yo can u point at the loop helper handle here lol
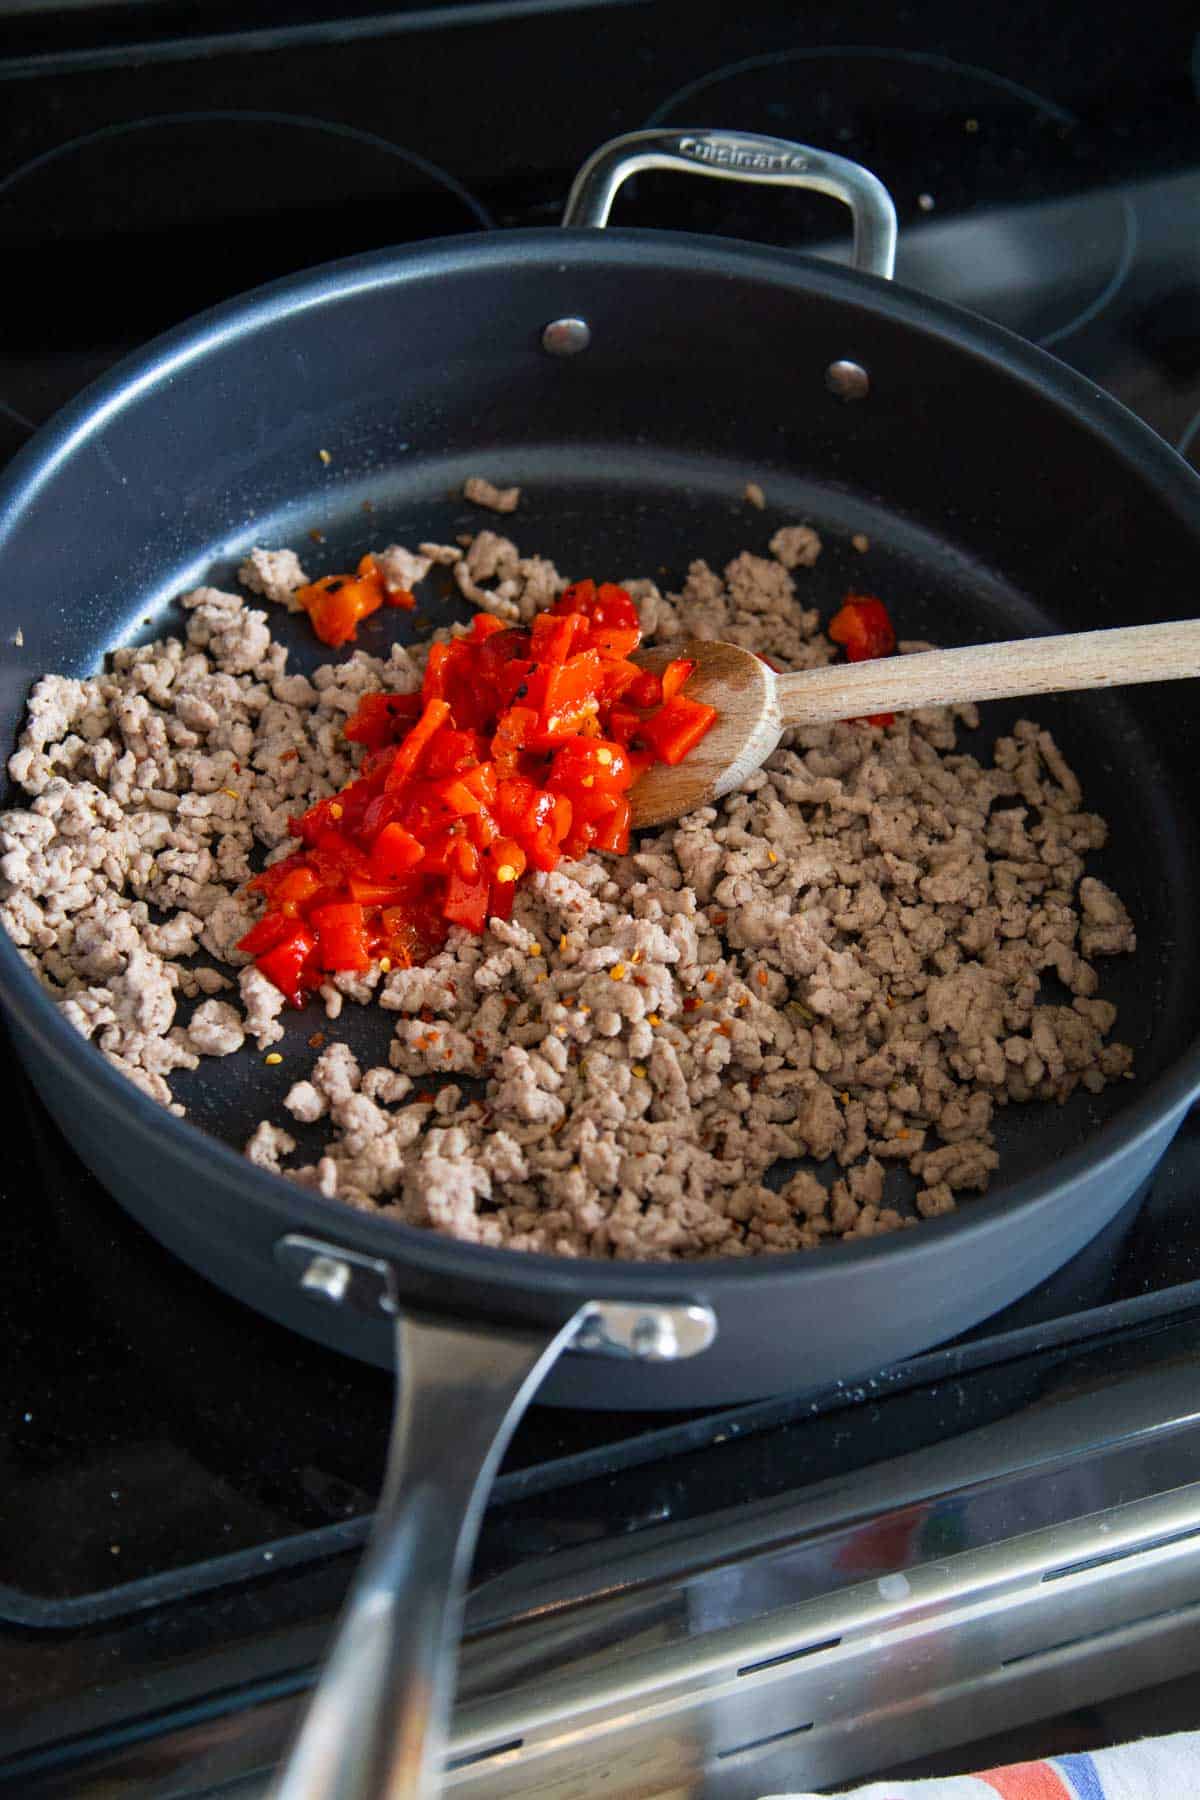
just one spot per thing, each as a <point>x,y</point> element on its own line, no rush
<point>741,156</point>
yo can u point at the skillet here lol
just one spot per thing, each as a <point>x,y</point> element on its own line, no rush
<point>633,383</point>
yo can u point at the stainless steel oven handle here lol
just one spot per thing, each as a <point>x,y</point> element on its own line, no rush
<point>742,156</point>
<point>375,1728</point>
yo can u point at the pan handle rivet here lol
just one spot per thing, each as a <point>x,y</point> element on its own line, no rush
<point>566,337</point>
<point>848,380</point>
<point>654,1337</point>
<point>327,1278</point>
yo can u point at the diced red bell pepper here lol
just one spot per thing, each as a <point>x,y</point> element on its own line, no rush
<point>507,861</point>
<point>342,942</point>
<point>395,853</point>
<point>379,718</point>
<point>336,603</point>
<point>485,625</point>
<point>407,757</point>
<point>862,625</point>
<point>646,691</point>
<point>270,930</point>
<point>483,782</point>
<point>678,727</point>
<point>612,833</point>
<point>517,750</point>
<point>553,635</point>
<point>466,901</point>
<point>514,729</point>
<point>592,762</point>
<point>677,672</point>
<point>288,963</point>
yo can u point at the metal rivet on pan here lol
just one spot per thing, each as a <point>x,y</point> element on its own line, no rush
<point>653,1337</point>
<point>848,380</point>
<point>326,1277</point>
<point>566,337</point>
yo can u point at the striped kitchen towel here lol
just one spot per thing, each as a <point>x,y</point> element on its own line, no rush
<point>1166,1768</point>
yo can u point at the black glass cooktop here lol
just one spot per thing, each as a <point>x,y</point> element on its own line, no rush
<point>158,1441</point>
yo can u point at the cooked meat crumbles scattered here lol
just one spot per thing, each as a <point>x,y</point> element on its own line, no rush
<point>842,961</point>
<point>496,499</point>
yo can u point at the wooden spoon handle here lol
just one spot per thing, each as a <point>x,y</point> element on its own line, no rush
<point>1049,665</point>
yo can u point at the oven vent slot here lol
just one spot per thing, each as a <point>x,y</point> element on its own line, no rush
<point>786,1656</point>
<point>774,1737</point>
<point>1119,1555</point>
<point>1092,1638</point>
<point>479,1756</point>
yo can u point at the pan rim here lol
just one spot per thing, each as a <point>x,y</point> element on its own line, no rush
<point>293,1207</point>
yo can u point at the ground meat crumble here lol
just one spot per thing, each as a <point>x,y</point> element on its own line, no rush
<point>843,961</point>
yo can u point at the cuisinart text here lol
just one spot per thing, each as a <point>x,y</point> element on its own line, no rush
<point>732,155</point>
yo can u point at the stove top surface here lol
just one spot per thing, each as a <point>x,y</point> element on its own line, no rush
<point>161,1447</point>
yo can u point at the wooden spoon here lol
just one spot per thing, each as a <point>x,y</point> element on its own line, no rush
<point>755,706</point>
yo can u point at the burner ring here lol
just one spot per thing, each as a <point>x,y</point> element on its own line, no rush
<point>946,137</point>
<point>177,211</point>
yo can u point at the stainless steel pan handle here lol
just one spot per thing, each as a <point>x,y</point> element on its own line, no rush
<point>742,156</point>
<point>376,1726</point>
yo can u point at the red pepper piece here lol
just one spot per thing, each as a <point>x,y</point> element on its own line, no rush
<point>862,625</point>
<point>483,782</point>
<point>624,725</point>
<point>452,752</point>
<point>379,718</point>
<point>336,603</point>
<point>466,901</point>
<point>590,762</point>
<point>676,673</point>
<point>341,936</point>
<point>612,833</point>
<point>270,930</point>
<point>646,691</point>
<point>485,625</point>
<point>394,853</point>
<point>678,728</point>
<point>515,727</point>
<point>409,754</point>
<point>864,628</point>
<point>553,635</point>
<point>287,964</point>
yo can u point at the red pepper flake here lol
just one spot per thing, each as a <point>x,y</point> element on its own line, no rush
<point>692,1003</point>
<point>288,755</point>
<point>424,1098</point>
<point>720,918</point>
<point>762,978</point>
<point>725,1029</point>
<point>316,1040</point>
